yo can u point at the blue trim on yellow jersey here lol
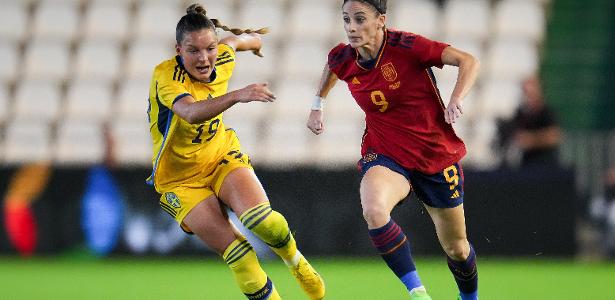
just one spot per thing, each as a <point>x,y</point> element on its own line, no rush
<point>224,58</point>
<point>179,69</point>
<point>179,61</point>
<point>163,113</point>
<point>167,124</point>
<point>181,96</point>
<point>224,61</point>
<point>149,109</point>
<point>213,75</point>
<point>164,141</point>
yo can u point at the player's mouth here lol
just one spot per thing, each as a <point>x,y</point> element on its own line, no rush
<point>202,70</point>
<point>354,38</point>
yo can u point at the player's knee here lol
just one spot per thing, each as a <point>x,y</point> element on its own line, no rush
<point>276,225</point>
<point>267,224</point>
<point>457,250</point>
<point>375,215</point>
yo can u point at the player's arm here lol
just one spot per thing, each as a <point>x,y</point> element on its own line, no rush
<point>327,82</point>
<point>245,42</point>
<point>468,71</point>
<point>195,112</point>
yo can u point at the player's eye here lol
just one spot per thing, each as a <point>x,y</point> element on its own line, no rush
<point>360,20</point>
<point>346,20</point>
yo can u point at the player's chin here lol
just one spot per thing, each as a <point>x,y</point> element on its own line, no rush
<point>355,45</point>
<point>202,76</point>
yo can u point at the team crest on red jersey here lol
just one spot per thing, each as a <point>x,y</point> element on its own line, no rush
<point>389,72</point>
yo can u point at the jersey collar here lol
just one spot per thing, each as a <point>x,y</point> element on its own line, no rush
<point>369,65</point>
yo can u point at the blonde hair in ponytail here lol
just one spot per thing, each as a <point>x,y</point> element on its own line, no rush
<point>196,19</point>
<point>237,31</point>
<point>198,9</point>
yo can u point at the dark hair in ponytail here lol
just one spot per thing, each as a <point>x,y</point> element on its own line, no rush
<point>196,19</point>
<point>379,5</point>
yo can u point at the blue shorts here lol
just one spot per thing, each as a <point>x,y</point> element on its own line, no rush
<point>440,190</point>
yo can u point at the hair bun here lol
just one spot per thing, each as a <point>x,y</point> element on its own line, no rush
<point>196,9</point>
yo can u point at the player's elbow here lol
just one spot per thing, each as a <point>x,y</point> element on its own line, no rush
<point>191,117</point>
<point>469,62</point>
<point>187,110</point>
<point>191,120</point>
<point>196,119</point>
<point>255,42</point>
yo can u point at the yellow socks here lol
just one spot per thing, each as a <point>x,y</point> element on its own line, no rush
<point>249,275</point>
<point>271,227</point>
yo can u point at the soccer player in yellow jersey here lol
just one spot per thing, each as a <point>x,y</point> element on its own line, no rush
<point>198,166</point>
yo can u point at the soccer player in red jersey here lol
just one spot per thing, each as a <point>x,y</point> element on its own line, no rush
<point>409,142</point>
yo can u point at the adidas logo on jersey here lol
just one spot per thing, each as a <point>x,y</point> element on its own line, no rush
<point>455,195</point>
<point>355,81</point>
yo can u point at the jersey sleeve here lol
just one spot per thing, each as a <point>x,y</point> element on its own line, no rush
<point>223,49</point>
<point>169,90</point>
<point>336,57</point>
<point>428,52</point>
<point>226,58</point>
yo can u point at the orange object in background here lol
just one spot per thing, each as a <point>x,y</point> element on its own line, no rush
<point>19,219</point>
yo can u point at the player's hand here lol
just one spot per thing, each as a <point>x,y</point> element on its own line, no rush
<point>315,123</point>
<point>453,111</point>
<point>255,92</point>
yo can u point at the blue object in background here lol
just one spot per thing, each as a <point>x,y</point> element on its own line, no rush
<point>102,211</point>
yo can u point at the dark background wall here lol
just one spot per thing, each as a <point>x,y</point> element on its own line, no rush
<point>529,212</point>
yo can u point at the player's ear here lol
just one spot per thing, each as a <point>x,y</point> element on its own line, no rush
<point>177,47</point>
<point>382,21</point>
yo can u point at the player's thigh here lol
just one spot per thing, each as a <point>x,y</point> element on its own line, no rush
<point>234,181</point>
<point>451,229</point>
<point>382,188</point>
<point>209,221</point>
<point>241,190</point>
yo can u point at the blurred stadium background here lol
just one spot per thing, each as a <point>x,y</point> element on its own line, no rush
<point>75,150</point>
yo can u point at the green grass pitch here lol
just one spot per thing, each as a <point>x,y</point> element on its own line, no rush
<point>346,278</point>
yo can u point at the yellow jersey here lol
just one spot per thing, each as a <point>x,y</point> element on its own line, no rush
<point>184,152</point>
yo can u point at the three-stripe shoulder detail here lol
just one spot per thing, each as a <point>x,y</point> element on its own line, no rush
<point>179,74</point>
<point>224,58</point>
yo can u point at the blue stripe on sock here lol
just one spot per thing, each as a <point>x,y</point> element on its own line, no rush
<point>411,280</point>
<point>263,293</point>
<point>470,296</point>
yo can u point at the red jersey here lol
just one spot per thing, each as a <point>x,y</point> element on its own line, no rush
<point>404,113</point>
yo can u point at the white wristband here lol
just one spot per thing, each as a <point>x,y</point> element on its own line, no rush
<point>317,104</point>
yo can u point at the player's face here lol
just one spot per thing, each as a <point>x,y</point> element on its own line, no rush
<point>361,23</point>
<point>199,50</point>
